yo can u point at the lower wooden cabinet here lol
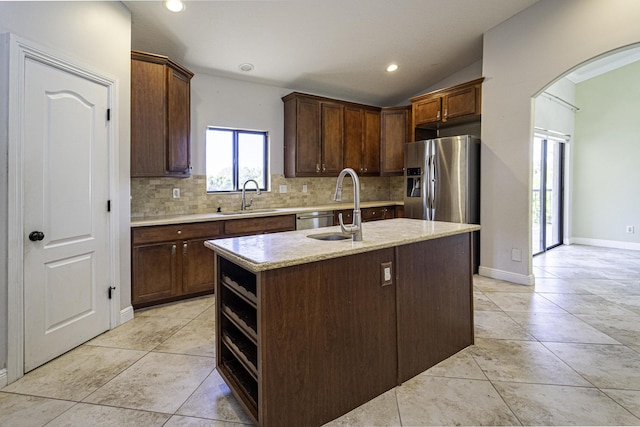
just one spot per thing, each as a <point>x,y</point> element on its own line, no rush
<point>367,214</point>
<point>170,262</point>
<point>154,273</point>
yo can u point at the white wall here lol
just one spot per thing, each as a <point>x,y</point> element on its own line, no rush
<point>552,114</point>
<point>97,34</point>
<point>521,57</point>
<point>606,153</point>
<point>219,101</point>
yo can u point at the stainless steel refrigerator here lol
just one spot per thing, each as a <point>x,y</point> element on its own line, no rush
<point>442,179</point>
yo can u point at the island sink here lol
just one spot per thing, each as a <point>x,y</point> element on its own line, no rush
<point>330,236</point>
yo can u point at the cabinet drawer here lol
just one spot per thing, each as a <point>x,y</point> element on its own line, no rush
<point>373,214</point>
<point>347,216</point>
<point>165,233</point>
<point>236,227</point>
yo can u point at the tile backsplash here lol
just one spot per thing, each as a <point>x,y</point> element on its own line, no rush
<point>153,197</point>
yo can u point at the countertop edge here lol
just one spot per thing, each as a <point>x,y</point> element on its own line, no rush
<point>334,250</point>
<point>193,218</point>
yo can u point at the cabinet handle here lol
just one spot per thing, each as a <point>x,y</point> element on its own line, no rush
<point>179,232</point>
<point>184,249</point>
<point>446,113</point>
<point>173,250</point>
<point>438,116</point>
<point>365,169</point>
<point>323,168</point>
<point>317,167</point>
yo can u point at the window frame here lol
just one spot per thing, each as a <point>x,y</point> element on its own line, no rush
<point>237,186</point>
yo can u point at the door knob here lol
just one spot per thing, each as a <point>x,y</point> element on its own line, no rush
<point>35,236</point>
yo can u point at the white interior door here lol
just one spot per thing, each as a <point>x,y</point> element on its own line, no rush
<point>66,186</point>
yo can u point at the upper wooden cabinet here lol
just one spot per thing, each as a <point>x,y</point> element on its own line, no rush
<point>160,116</point>
<point>449,106</point>
<point>313,136</point>
<point>362,139</point>
<point>394,133</point>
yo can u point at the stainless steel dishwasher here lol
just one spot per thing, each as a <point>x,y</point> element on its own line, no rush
<point>307,220</point>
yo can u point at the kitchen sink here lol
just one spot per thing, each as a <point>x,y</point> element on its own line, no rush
<point>330,236</point>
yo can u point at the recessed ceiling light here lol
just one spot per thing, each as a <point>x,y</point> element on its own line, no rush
<point>392,68</point>
<point>246,67</point>
<point>174,5</point>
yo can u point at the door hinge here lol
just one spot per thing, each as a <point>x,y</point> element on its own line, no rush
<point>108,114</point>
<point>111,289</point>
<point>108,205</point>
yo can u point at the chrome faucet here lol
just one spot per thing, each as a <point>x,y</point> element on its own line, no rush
<point>244,189</point>
<point>355,228</point>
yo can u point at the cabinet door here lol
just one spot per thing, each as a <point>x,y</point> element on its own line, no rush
<point>371,143</point>
<point>332,134</point>
<point>353,138</point>
<point>308,137</point>
<point>427,111</point>
<point>148,118</point>
<point>460,103</point>
<point>178,146</point>
<point>197,267</point>
<point>394,134</point>
<point>155,271</point>
<point>389,212</point>
<point>373,214</point>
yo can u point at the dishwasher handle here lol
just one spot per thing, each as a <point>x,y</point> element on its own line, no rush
<point>327,215</point>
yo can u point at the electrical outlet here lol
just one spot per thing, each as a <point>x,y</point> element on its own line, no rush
<point>631,229</point>
<point>386,277</point>
<point>176,193</point>
<point>304,188</point>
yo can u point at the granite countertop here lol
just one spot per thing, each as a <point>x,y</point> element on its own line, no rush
<point>183,219</point>
<point>270,251</point>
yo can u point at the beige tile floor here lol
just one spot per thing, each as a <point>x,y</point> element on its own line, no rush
<point>563,352</point>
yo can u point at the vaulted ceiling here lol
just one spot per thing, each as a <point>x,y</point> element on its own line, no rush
<point>337,48</point>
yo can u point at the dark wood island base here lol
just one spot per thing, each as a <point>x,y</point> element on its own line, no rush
<point>304,344</point>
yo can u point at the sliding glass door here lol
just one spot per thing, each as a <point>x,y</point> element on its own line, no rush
<point>547,194</point>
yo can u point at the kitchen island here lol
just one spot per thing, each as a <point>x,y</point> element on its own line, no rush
<point>307,330</point>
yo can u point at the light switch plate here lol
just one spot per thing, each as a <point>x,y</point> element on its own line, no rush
<point>386,274</point>
<point>176,193</point>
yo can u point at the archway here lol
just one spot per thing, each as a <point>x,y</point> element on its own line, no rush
<point>568,114</point>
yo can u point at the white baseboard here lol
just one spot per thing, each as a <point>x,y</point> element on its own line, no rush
<point>126,315</point>
<point>604,243</point>
<point>3,378</point>
<point>507,276</point>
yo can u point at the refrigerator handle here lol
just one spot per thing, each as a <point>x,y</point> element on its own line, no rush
<point>427,184</point>
<point>432,188</point>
